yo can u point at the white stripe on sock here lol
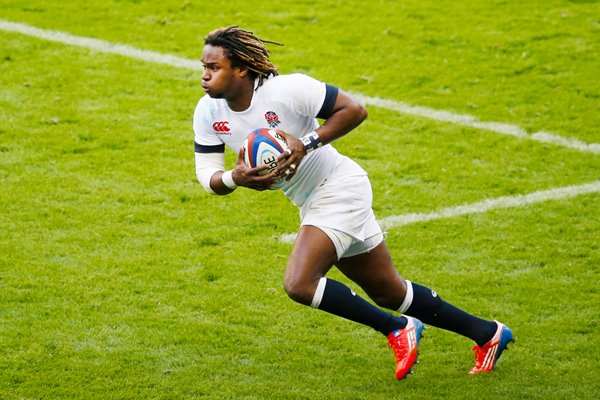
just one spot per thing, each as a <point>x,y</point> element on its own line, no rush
<point>407,299</point>
<point>316,301</point>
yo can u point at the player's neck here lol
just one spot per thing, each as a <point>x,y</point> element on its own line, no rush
<point>242,99</point>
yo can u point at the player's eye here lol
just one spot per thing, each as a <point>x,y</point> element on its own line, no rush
<point>210,67</point>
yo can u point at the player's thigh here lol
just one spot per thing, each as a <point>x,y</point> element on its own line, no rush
<point>375,273</point>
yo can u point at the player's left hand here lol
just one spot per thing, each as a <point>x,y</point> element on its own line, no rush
<point>291,158</point>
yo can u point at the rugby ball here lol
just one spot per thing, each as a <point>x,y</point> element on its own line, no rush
<point>263,147</point>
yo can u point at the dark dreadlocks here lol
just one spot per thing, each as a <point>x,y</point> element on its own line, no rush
<point>244,49</point>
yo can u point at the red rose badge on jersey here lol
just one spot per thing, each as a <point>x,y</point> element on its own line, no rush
<point>272,119</point>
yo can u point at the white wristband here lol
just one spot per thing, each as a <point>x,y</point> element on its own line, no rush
<point>227,179</point>
<point>311,141</point>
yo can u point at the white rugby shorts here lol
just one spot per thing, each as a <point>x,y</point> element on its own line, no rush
<point>341,207</point>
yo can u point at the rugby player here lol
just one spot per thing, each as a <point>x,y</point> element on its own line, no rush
<point>243,92</point>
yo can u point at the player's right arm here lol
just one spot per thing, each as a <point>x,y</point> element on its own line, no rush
<point>210,159</point>
<point>210,167</point>
<point>211,173</point>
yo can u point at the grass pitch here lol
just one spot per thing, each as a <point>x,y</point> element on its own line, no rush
<point>121,279</point>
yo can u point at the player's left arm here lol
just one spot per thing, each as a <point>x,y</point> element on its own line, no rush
<point>345,115</point>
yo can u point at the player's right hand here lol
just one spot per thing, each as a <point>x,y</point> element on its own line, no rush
<point>251,177</point>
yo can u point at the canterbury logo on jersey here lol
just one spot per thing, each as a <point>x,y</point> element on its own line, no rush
<point>221,127</point>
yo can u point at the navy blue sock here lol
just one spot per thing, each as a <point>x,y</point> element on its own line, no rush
<point>431,309</point>
<point>338,299</point>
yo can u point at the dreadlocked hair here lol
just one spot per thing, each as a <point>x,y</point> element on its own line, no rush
<point>244,49</point>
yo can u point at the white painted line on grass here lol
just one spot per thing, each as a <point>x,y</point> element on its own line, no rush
<point>180,62</point>
<point>474,122</point>
<point>100,45</point>
<point>503,202</point>
<point>492,204</point>
<point>576,144</point>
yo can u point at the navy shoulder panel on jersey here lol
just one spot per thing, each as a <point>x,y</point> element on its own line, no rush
<point>200,148</point>
<point>331,93</point>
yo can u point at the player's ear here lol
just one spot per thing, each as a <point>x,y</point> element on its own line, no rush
<point>242,71</point>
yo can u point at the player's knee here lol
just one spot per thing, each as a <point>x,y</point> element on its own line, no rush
<point>298,291</point>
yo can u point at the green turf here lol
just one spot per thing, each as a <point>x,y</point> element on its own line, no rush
<point>121,279</point>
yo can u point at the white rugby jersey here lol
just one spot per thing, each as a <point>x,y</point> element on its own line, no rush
<point>287,102</point>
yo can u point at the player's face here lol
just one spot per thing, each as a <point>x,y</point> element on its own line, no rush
<point>219,79</point>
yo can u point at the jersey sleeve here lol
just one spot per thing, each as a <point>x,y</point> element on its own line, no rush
<point>205,141</point>
<point>308,96</point>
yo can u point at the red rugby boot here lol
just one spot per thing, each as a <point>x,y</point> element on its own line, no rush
<point>486,356</point>
<point>405,343</point>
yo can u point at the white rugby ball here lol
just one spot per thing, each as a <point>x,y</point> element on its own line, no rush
<point>263,147</point>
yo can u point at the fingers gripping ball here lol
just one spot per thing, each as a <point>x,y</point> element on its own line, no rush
<point>263,147</point>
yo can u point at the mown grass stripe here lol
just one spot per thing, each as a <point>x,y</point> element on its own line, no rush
<point>180,62</point>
